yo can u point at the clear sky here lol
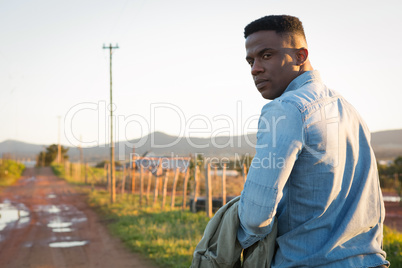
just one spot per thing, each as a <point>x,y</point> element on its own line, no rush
<point>180,65</point>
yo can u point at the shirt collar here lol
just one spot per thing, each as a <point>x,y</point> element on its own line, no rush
<point>302,79</point>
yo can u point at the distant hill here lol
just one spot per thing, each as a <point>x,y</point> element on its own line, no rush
<point>19,149</point>
<point>157,143</point>
<point>161,144</point>
<point>386,145</point>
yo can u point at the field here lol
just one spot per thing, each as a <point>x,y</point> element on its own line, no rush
<point>169,236</point>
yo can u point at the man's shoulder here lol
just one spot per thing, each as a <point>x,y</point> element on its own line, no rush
<point>308,95</point>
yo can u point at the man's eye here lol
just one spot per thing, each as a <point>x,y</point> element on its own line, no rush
<point>266,56</point>
<point>250,62</point>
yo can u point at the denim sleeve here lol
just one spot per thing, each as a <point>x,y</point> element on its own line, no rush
<point>279,141</point>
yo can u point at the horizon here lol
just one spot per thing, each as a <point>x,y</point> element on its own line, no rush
<point>167,134</point>
<point>180,66</point>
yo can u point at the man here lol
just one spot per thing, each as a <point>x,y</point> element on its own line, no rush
<point>314,169</point>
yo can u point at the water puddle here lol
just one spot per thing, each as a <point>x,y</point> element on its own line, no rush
<point>28,244</point>
<point>27,180</point>
<point>16,214</point>
<point>52,209</point>
<point>58,224</point>
<point>78,219</point>
<point>62,230</point>
<point>67,244</point>
<point>61,218</point>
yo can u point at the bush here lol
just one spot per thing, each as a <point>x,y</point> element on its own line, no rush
<point>393,246</point>
<point>10,171</point>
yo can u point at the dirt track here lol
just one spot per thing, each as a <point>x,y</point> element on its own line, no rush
<point>50,225</point>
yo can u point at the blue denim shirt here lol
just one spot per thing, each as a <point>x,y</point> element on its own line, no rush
<point>315,171</point>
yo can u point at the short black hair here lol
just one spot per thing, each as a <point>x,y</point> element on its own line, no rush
<point>279,23</point>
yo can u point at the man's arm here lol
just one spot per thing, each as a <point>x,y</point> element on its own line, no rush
<point>279,141</point>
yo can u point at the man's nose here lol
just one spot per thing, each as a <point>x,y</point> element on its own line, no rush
<point>257,68</point>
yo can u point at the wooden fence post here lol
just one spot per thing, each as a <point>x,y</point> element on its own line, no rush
<point>244,171</point>
<point>65,165</point>
<point>72,168</point>
<point>133,176</point>
<point>86,173</point>
<point>107,176</point>
<point>158,173</point>
<point>76,170</point>
<point>80,170</point>
<point>149,185</point>
<point>156,188</point>
<point>176,177</point>
<point>194,209</point>
<point>160,185</point>
<point>165,181</point>
<point>208,191</point>
<point>141,183</point>
<point>185,188</point>
<point>92,180</point>
<point>123,181</point>
<point>79,173</point>
<point>224,185</point>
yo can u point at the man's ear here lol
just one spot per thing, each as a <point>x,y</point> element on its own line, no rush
<point>301,56</point>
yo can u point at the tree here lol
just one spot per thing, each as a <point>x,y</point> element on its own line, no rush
<point>102,164</point>
<point>45,158</point>
<point>398,164</point>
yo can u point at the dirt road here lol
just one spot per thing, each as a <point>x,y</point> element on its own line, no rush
<point>46,223</point>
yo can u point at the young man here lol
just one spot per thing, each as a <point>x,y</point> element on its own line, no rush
<point>314,169</point>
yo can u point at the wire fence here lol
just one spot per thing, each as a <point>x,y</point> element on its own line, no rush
<point>165,182</point>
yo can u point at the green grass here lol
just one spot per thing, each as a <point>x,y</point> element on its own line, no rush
<point>393,246</point>
<point>10,171</point>
<point>58,170</point>
<point>167,237</point>
<point>94,175</point>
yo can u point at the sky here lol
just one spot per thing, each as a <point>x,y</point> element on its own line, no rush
<point>180,67</point>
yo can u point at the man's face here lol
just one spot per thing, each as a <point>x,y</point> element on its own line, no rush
<point>273,62</point>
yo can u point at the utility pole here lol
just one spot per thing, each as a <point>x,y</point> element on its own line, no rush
<point>58,145</point>
<point>81,152</point>
<point>112,164</point>
<point>81,158</point>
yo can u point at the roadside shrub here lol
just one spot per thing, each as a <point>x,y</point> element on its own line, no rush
<point>393,246</point>
<point>10,171</point>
